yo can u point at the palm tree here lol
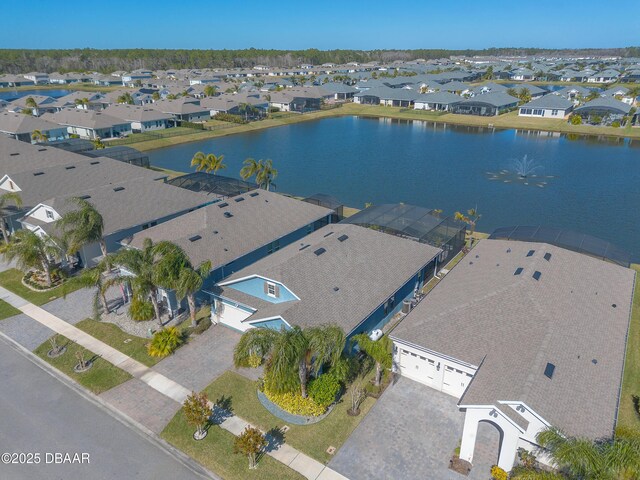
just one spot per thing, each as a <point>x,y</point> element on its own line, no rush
<point>246,109</point>
<point>83,226</point>
<point>32,251</point>
<point>4,199</point>
<point>251,168</point>
<point>190,281</point>
<point>265,177</point>
<point>614,459</point>
<point>38,136</point>
<point>379,351</point>
<point>209,163</point>
<point>471,219</point>
<point>125,98</point>
<point>155,96</point>
<point>524,95</point>
<point>91,278</point>
<point>82,102</point>
<point>32,104</point>
<point>199,161</point>
<point>210,90</point>
<point>593,95</point>
<point>291,354</point>
<point>152,267</point>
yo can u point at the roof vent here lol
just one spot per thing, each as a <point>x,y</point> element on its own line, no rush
<point>94,163</point>
<point>508,250</point>
<point>536,275</point>
<point>13,154</point>
<point>547,256</point>
<point>239,199</point>
<point>228,214</point>
<point>335,289</point>
<point>549,369</point>
<point>222,205</point>
<point>518,271</point>
<point>118,189</point>
<point>37,174</point>
<point>530,253</point>
<point>42,149</point>
<point>328,234</point>
<point>342,238</point>
<point>303,247</point>
<point>594,361</point>
<point>85,197</point>
<point>614,305</point>
<point>215,232</point>
<point>319,251</point>
<point>254,194</point>
<point>71,167</point>
<point>195,238</point>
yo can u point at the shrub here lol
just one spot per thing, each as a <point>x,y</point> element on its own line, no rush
<point>254,361</point>
<point>324,389</point>
<point>202,326</point>
<point>575,120</point>
<point>227,117</point>
<point>596,119</point>
<point>164,342</point>
<point>141,310</point>
<point>274,109</point>
<point>615,124</point>
<point>295,404</point>
<point>498,474</point>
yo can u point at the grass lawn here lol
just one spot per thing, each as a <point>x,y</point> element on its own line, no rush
<point>100,378</point>
<point>215,452</point>
<point>627,415</point>
<point>12,280</point>
<point>112,335</point>
<point>313,440</point>
<point>7,310</point>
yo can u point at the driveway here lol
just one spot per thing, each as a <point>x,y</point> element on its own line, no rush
<point>203,360</point>
<point>411,433</point>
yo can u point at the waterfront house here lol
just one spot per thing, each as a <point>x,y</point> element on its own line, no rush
<point>348,275</point>
<point>44,104</point>
<point>522,74</point>
<point>234,103</point>
<point>235,233</point>
<point>538,340</point>
<point>605,108</point>
<point>8,80</point>
<point>487,104</point>
<point>297,99</point>
<point>548,106</point>
<point>141,118</point>
<point>81,100</point>
<point>488,87</point>
<point>605,76</point>
<point>38,78</point>
<point>573,92</point>
<point>440,101</point>
<point>184,108</point>
<point>20,127</point>
<point>339,91</point>
<point>90,124</point>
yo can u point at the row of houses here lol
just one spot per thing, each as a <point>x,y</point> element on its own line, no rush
<point>538,339</point>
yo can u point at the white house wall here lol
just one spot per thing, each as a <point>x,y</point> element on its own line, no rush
<point>230,315</point>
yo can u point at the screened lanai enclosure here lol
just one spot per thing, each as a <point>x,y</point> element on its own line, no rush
<point>215,185</point>
<point>578,242</point>
<point>416,223</point>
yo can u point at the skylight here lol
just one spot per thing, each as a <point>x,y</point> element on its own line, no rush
<point>118,189</point>
<point>71,167</point>
<point>328,234</point>
<point>530,253</point>
<point>228,214</point>
<point>536,275</point>
<point>254,194</point>
<point>342,238</point>
<point>518,271</point>
<point>94,163</point>
<point>222,205</point>
<point>549,369</point>
<point>195,238</point>
<point>320,251</point>
<point>239,199</point>
<point>547,256</point>
<point>37,174</point>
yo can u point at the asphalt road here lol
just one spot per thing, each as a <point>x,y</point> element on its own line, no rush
<point>41,414</point>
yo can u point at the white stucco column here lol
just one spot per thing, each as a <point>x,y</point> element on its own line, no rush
<point>469,433</point>
<point>508,449</point>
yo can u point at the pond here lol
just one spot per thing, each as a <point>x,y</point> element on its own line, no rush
<point>587,184</point>
<point>9,95</point>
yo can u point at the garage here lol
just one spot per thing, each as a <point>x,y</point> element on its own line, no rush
<point>433,372</point>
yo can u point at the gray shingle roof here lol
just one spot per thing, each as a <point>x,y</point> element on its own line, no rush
<point>481,313</point>
<point>439,97</point>
<point>257,220</point>
<point>549,102</point>
<point>18,123</point>
<point>366,268</point>
<point>605,103</point>
<point>495,99</point>
<point>17,156</point>
<point>84,118</point>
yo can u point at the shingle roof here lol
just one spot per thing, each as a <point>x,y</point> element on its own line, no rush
<point>136,113</point>
<point>576,312</point>
<point>259,218</point>
<point>84,118</point>
<point>344,284</point>
<point>17,156</point>
<point>605,103</point>
<point>549,102</point>
<point>18,123</point>
<point>439,97</point>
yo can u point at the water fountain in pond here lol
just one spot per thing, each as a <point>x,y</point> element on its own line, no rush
<point>522,173</point>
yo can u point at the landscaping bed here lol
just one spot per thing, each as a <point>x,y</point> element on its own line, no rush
<point>101,377</point>
<point>215,452</point>
<point>239,394</point>
<point>12,280</point>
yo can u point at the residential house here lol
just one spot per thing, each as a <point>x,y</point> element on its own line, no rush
<point>440,101</point>
<point>20,127</point>
<point>38,78</point>
<point>538,341</point>
<point>297,99</point>
<point>44,104</point>
<point>235,233</point>
<point>605,76</point>
<point>234,103</point>
<point>488,104</point>
<point>339,91</point>
<point>9,80</point>
<point>573,92</point>
<point>548,106</point>
<point>184,108</point>
<point>523,74</point>
<point>90,124</point>
<point>605,108</point>
<point>142,119</point>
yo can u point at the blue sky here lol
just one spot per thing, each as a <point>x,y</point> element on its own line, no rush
<point>328,24</point>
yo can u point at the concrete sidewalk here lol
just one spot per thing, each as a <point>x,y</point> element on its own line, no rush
<point>298,461</point>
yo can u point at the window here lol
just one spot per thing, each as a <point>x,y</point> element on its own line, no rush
<point>273,247</point>
<point>49,214</point>
<point>554,112</point>
<point>271,289</point>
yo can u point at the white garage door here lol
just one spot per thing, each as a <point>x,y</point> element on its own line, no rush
<point>454,381</point>
<point>419,368</point>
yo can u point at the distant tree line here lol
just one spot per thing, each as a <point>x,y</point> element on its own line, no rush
<point>22,60</point>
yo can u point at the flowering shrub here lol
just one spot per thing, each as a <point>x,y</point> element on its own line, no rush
<point>294,403</point>
<point>498,474</point>
<point>254,361</point>
<point>324,389</point>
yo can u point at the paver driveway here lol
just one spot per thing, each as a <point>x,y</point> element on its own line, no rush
<point>411,433</point>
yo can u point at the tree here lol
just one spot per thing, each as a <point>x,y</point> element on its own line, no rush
<point>32,251</point>
<point>592,95</point>
<point>197,412</point>
<point>5,198</point>
<point>82,102</point>
<point>209,163</point>
<point>152,267</point>
<point>210,90</point>
<point>378,350</point>
<point>471,219</point>
<point>155,96</point>
<point>125,98</point>
<point>612,459</point>
<point>31,104</point>
<point>246,109</point>
<point>524,95</point>
<point>250,443</point>
<point>291,354</point>
<point>91,278</point>
<point>513,92</point>
<point>266,175</point>
<point>82,226</point>
<point>251,168</point>
<point>488,74</point>
<point>38,136</point>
